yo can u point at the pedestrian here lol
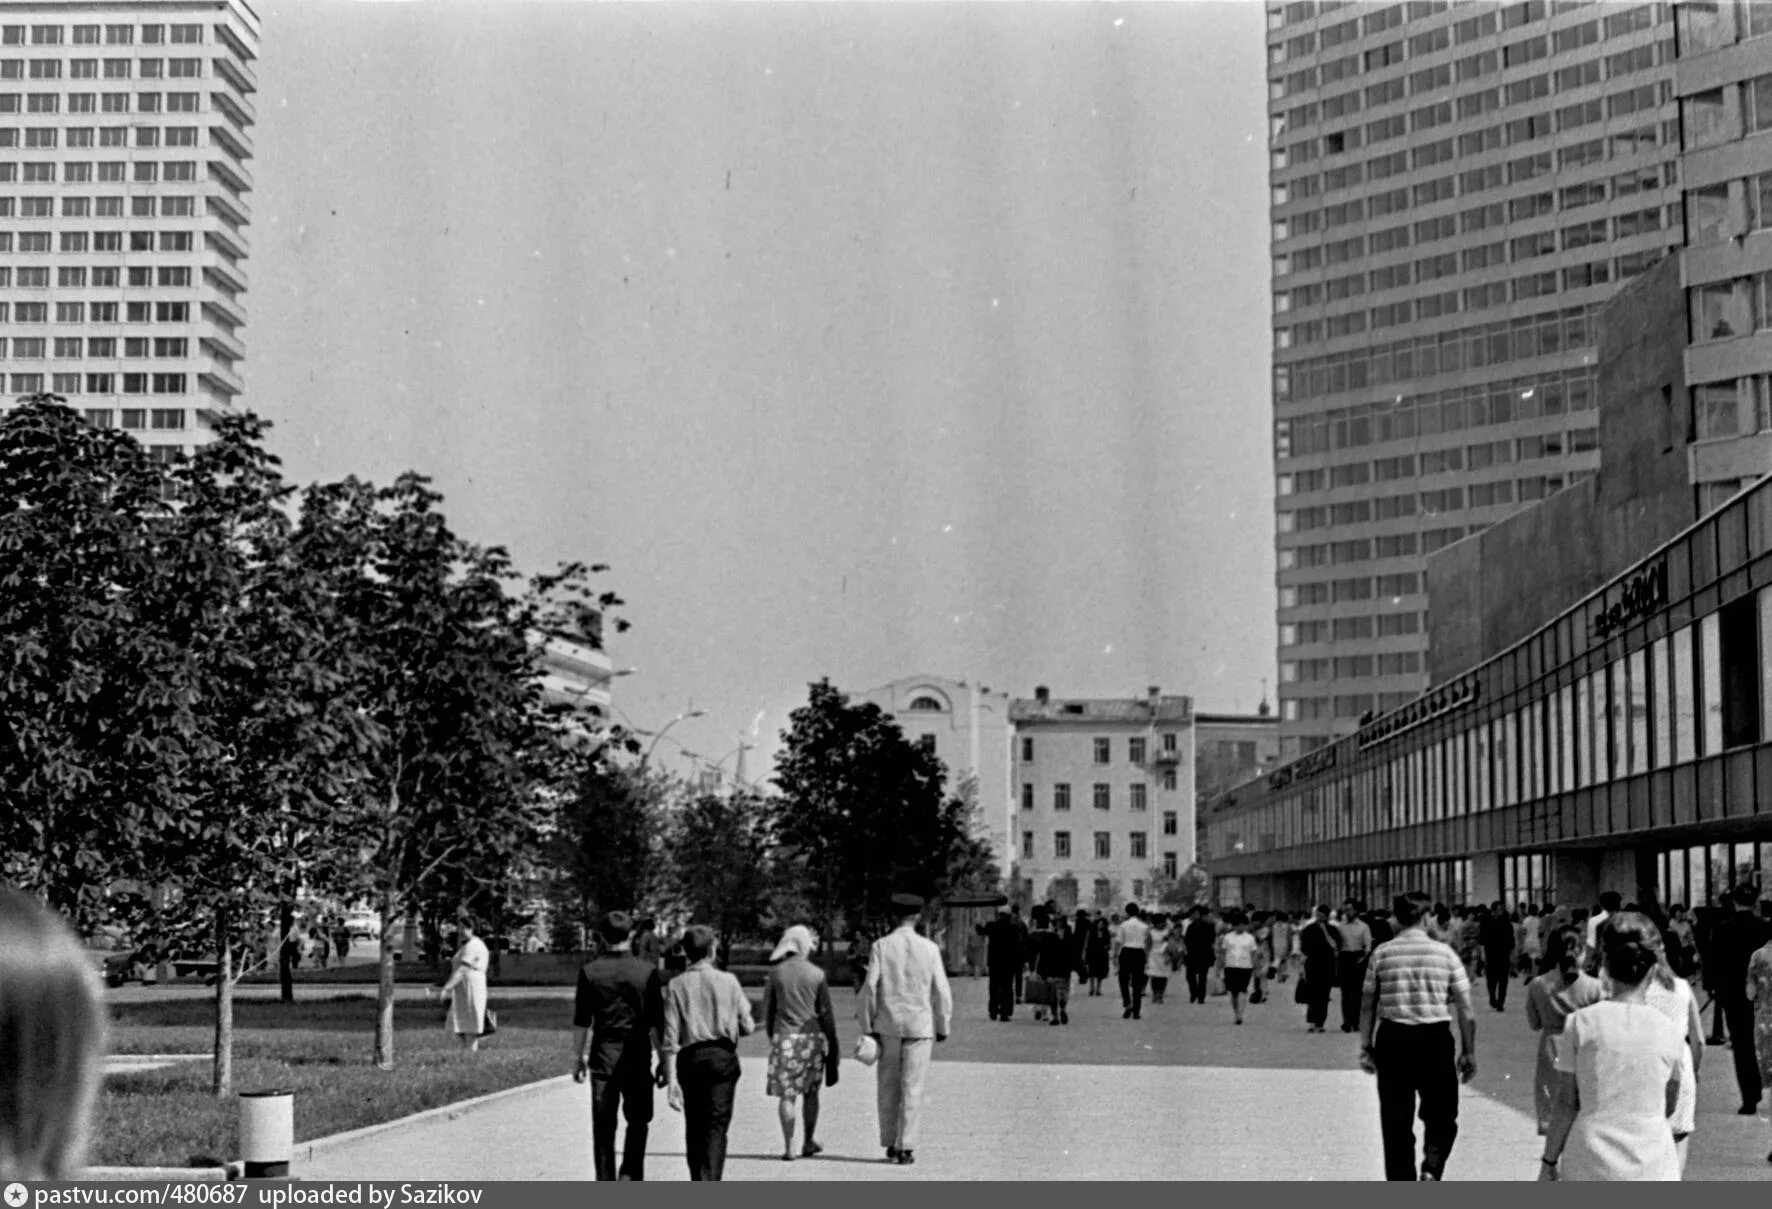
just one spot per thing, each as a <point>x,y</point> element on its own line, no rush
<point>466,988</point>
<point>1281,931</point>
<point>1611,902</point>
<point>1018,974</point>
<point>52,1032</point>
<point>1350,963</point>
<point>1531,941</point>
<point>1619,1071</point>
<point>705,1013</point>
<point>802,1032</point>
<point>1240,951</point>
<point>1200,951</point>
<point>1098,954</point>
<point>341,939</point>
<point>906,1007</point>
<point>1257,922</point>
<point>1004,959</point>
<point>1050,951</point>
<point>1132,942</point>
<point>617,1025</point>
<point>1672,996</point>
<point>1682,945</point>
<point>1564,988</point>
<point>1734,938</point>
<point>1159,964</point>
<point>1414,988</point>
<point>1496,934</point>
<point>322,947</point>
<point>1759,989</point>
<point>861,940</point>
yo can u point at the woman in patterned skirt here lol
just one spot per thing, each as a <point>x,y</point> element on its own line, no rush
<point>802,1033</point>
<point>1759,989</point>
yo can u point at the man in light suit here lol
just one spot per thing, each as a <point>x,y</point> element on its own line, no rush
<point>906,1007</point>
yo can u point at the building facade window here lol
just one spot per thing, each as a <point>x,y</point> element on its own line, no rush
<point>1061,796</point>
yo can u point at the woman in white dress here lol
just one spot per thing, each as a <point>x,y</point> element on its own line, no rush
<point>1620,1063</point>
<point>467,988</point>
<point>1672,996</point>
<point>1160,967</point>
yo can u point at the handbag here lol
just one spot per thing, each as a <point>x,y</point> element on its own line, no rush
<point>1215,983</point>
<point>867,1050</point>
<point>1300,994</point>
<point>491,1024</point>
<point>1036,990</point>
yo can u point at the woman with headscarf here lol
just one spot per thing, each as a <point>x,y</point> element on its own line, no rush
<point>52,1031</point>
<point>802,1032</point>
<point>467,989</point>
<point>1550,999</point>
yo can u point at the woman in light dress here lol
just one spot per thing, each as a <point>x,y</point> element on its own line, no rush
<point>1672,996</point>
<point>1161,967</point>
<point>1237,950</point>
<point>467,989</point>
<point>1550,998</point>
<point>1620,1072</point>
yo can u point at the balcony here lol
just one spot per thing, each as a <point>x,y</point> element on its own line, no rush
<point>1162,759</point>
<point>222,346</point>
<point>233,176</point>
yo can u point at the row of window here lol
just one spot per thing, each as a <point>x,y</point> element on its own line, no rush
<point>102,241</point>
<point>1344,667</point>
<point>102,384</point>
<point>165,277</point>
<point>1347,706</point>
<point>1620,144</point>
<point>1353,629</point>
<point>1350,550</point>
<point>113,35</point>
<point>1438,461</point>
<point>1715,24</point>
<point>1693,876</point>
<point>1456,409</point>
<point>1102,748</point>
<point>1720,115</point>
<point>1101,793</point>
<point>1495,343</point>
<point>146,205</point>
<point>1446,882</point>
<point>47,138</point>
<point>107,277</point>
<point>95,69</point>
<point>1137,845</point>
<point>1426,503</point>
<point>143,172</point>
<point>1473,104</point>
<point>75,348</point>
<point>156,419</point>
<point>1489,19</point>
<point>1527,288</point>
<point>1697,692</point>
<point>113,312</point>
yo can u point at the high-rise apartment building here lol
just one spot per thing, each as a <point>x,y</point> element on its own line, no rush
<point>125,131</point>
<point>1456,189</point>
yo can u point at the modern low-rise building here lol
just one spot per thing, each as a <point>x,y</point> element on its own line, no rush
<point>1104,796</point>
<point>966,725</point>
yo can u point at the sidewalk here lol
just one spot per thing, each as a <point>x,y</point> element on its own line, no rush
<point>1180,1095</point>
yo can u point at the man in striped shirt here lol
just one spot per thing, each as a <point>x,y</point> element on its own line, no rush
<point>1415,986</point>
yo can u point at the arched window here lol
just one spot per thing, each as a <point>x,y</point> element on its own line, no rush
<point>926,705</point>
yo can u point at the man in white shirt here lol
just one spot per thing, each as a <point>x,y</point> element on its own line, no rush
<point>906,1007</point>
<point>1132,942</point>
<point>1611,902</point>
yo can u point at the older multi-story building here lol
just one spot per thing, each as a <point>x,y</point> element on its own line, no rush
<point>1456,189</point>
<point>1105,796</point>
<point>967,727</point>
<point>1233,748</point>
<point>125,131</point>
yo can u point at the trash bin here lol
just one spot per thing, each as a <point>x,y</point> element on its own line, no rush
<point>267,1133</point>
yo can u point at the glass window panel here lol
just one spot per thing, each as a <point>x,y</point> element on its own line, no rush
<point>1638,701</point>
<point>1565,740</point>
<point>1720,877</point>
<point>1502,745</point>
<point>1615,721</point>
<point>1676,878</point>
<point>1660,703</point>
<point>1682,685</point>
<point>1482,769</point>
<point>1584,734</point>
<point>1746,857</point>
<point>1766,663</point>
<point>1533,742</point>
<point>1437,780</point>
<point>1710,690</point>
<point>1460,804</point>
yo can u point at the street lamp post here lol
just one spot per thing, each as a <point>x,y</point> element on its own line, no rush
<point>694,713</point>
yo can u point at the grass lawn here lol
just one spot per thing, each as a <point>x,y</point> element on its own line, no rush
<point>320,1050</point>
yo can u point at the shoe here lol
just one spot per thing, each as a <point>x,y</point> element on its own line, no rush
<point>1714,1041</point>
<point>811,1150</point>
<point>788,1157</point>
<point>906,1158</point>
<point>1748,1110</point>
<point>1239,1020</point>
<point>892,1154</point>
<point>1347,1028</point>
<point>1430,1177</point>
<point>1054,1022</point>
<point>1138,1015</point>
<point>1126,1015</point>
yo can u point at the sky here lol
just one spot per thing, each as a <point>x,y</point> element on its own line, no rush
<point>860,341</point>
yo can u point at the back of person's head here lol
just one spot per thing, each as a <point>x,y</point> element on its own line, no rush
<point>1746,895</point>
<point>1627,947</point>
<point>52,1042</point>
<point>1322,910</point>
<point>1131,910</point>
<point>1563,949</point>
<point>1411,908</point>
<point>698,942</point>
<point>1611,901</point>
<point>616,927</point>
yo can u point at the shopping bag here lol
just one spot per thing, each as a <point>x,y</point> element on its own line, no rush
<point>1036,991</point>
<point>1215,983</point>
<point>1300,994</point>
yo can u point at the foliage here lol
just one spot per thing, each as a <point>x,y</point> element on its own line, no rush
<point>609,838</point>
<point>719,848</point>
<point>1191,887</point>
<point>862,811</point>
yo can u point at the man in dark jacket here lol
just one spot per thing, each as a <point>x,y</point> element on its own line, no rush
<point>1733,941</point>
<point>1003,959</point>
<point>617,1016</point>
<point>1496,934</point>
<point>1199,949</point>
<point>1321,946</point>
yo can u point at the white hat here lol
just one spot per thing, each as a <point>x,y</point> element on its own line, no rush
<point>867,1050</point>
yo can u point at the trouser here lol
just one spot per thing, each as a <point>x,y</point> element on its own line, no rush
<point>1003,993</point>
<point>903,1065</point>
<point>1718,1020</point>
<point>1196,982</point>
<point>629,1092</point>
<point>1318,983</point>
<point>1498,972</point>
<point>1159,986</point>
<point>1738,1010</point>
<point>1060,986</point>
<point>1417,1071</point>
<point>1015,976</point>
<point>1351,971</point>
<point>708,1072</point>
<point>1132,979</point>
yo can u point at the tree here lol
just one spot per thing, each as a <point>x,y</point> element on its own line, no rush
<point>719,848</point>
<point>972,865</point>
<point>1179,892</point>
<point>862,810</point>
<point>609,838</point>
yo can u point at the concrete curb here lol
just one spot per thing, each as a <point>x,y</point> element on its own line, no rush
<point>227,1173</point>
<point>306,1152</point>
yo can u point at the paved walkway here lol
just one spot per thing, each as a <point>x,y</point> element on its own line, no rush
<point>1181,1094</point>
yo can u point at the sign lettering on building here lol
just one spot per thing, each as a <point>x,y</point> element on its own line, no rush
<point>1638,597</point>
<point>1424,709</point>
<point>1319,761</point>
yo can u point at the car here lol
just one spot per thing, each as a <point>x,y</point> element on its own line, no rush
<point>363,925</point>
